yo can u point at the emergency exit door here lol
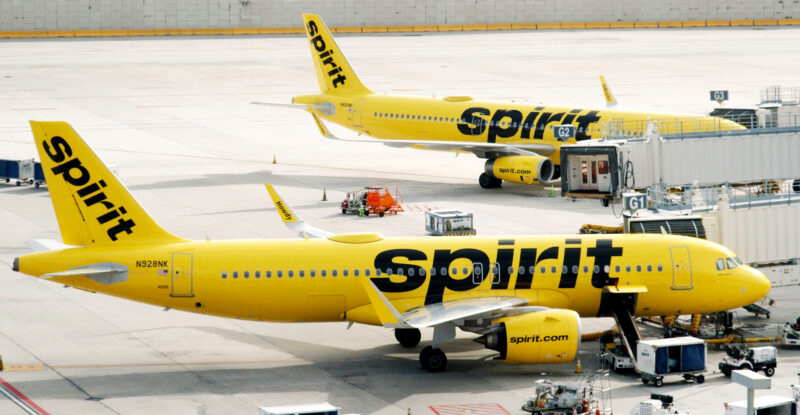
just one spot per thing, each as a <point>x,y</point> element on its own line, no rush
<point>182,275</point>
<point>681,268</point>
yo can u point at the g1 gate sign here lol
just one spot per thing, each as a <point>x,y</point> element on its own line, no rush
<point>634,201</point>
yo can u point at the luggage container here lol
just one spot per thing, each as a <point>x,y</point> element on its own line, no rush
<point>680,356</point>
<point>9,170</point>
<point>449,222</point>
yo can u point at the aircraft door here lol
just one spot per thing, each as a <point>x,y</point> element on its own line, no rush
<point>681,268</point>
<point>182,275</point>
<point>603,176</point>
<point>588,176</point>
<point>358,110</point>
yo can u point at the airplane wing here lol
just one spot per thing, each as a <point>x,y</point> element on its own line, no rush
<point>431,315</point>
<point>292,220</point>
<point>611,100</point>
<point>482,150</point>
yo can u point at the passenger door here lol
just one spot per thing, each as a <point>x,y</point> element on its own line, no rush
<point>182,275</point>
<point>681,268</point>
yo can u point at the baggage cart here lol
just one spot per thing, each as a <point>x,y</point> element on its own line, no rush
<point>679,356</point>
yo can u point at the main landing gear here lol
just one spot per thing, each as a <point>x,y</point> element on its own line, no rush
<point>432,360</point>
<point>407,337</point>
<point>489,182</point>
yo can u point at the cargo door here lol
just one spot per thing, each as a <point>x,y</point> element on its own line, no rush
<point>358,110</point>
<point>681,268</point>
<point>182,275</point>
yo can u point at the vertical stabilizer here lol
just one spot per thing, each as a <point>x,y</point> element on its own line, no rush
<point>92,206</point>
<point>334,74</point>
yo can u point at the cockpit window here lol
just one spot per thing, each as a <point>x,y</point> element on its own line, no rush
<point>731,263</point>
<point>721,264</point>
<point>738,261</point>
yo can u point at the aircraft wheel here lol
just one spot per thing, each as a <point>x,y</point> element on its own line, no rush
<point>658,382</point>
<point>700,379</point>
<point>344,211</point>
<point>769,371</point>
<point>489,182</point>
<point>645,381</point>
<point>407,337</point>
<point>604,202</point>
<point>380,214</point>
<point>432,360</point>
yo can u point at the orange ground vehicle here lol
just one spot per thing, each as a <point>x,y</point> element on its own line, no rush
<point>376,200</point>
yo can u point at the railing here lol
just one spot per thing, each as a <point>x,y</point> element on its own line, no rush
<point>689,128</point>
<point>778,95</point>
<point>740,196</point>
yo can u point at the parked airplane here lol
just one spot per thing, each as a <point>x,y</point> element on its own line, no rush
<point>523,294</point>
<point>516,139</point>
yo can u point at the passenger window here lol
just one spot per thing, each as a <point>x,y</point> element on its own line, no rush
<point>444,271</point>
<point>565,270</point>
<point>721,264</point>
<point>532,269</point>
<point>543,270</point>
<point>291,273</point>
<point>388,272</point>
<point>616,268</point>
<point>224,274</point>
<point>638,268</point>
<point>731,263</point>
<point>322,273</point>
<point>235,274</point>
<point>627,268</point>
<point>660,268</point>
<point>574,269</point>
<point>455,271</point>
<point>344,273</point>
<point>258,274</point>
<point>247,274</point>
<point>466,271</point>
<point>649,268</point>
<point>554,270</point>
<point>411,272</point>
<point>597,269</point>
<point>366,272</point>
<point>377,271</point>
<point>606,269</point>
<point>521,270</point>
<point>269,274</point>
<point>422,272</point>
<point>586,269</point>
<point>510,270</point>
<point>400,271</point>
<point>280,274</point>
<point>433,272</point>
<point>302,273</point>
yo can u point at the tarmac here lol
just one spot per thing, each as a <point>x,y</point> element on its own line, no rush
<point>173,116</point>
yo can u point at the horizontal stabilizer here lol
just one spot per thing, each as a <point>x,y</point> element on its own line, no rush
<point>42,245</point>
<point>326,107</point>
<point>105,273</point>
<point>292,220</point>
<point>387,314</point>
<point>611,100</point>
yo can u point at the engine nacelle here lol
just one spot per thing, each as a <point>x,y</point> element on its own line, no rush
<point>549,336</point>
<point>520,169</point>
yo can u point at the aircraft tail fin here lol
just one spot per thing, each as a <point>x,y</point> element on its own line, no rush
<point>334,74</point>
<point>91,204</point>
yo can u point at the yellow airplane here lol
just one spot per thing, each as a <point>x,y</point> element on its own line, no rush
<point>524,294</point>
<point>519,141</point>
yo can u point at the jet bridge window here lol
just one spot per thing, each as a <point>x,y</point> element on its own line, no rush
<point>731,263</point>
<point>721,264</point>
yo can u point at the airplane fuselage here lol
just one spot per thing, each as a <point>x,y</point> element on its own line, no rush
<point>320,279</point>
<point>467,120</point>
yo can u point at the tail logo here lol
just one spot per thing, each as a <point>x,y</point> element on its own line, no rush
<point>326,56</point>
<point>76,175</point>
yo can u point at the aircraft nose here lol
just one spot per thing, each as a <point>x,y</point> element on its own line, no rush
<point>759,284</point>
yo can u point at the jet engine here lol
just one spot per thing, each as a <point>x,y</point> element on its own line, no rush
<point>549,336</point>
<point>520,169</point>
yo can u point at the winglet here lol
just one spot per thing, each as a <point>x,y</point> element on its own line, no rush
<point>292,220</point>
<point>387,314</point>
<point>611,101</point>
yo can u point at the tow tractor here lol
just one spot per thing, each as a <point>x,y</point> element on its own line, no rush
<point>375,200</point>
<point>790,334</point>
<point>754,358</point>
